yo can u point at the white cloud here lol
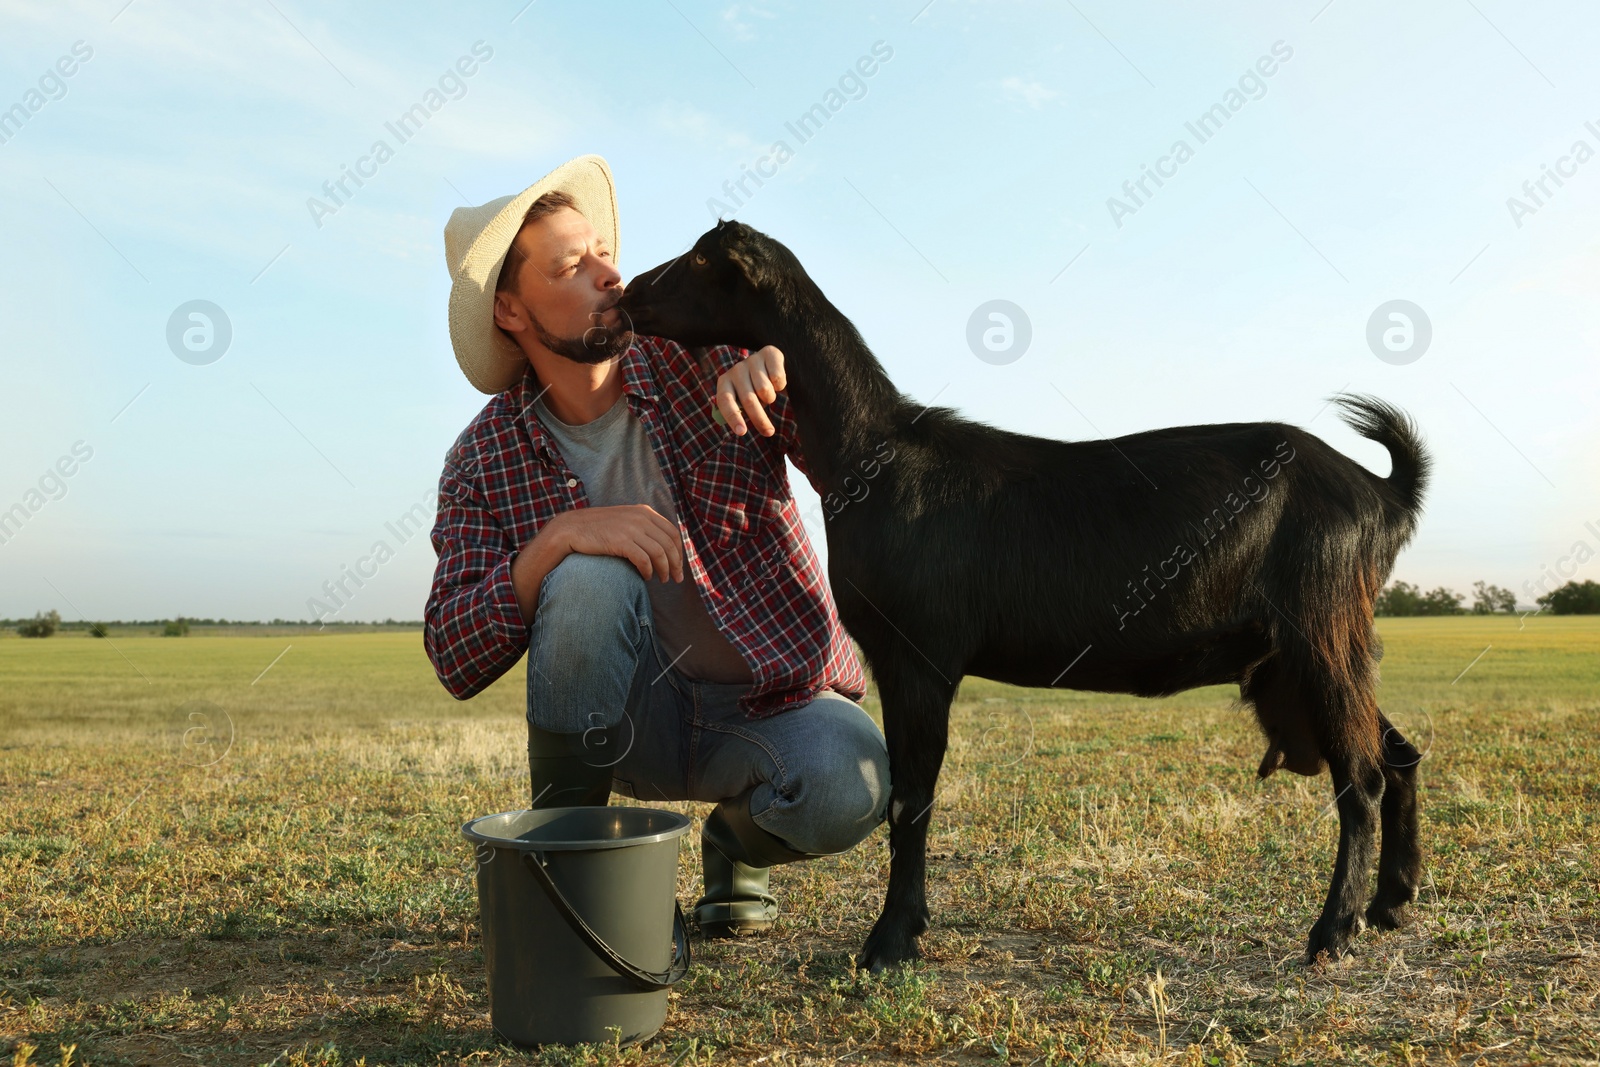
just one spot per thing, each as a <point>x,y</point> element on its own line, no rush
<point>1028,91</point>
<point>219,123</point>
<point>736,17</point>
<point>210,54</point>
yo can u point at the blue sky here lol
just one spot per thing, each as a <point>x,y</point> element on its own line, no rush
<point>977,162</point>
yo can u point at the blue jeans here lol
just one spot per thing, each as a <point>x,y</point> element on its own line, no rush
<point>820,771</point>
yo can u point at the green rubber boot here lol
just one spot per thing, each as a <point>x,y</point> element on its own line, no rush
<point>737,855</point>
<point>562,771</point>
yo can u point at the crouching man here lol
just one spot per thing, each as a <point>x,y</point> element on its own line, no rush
<point>682,643</point>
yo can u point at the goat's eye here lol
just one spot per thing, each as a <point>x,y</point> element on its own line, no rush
<point>700,259</point>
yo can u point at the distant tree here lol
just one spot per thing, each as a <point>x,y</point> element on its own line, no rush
<point>1441,601</point>
<point>1574,598</point>
<point>97,629</point>
<point>1401,598</point>
<point>43,624</point>
<point>1489,599</point>
<point>176,628</point>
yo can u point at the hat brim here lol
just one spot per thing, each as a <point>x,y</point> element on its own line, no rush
<point>491,361</point>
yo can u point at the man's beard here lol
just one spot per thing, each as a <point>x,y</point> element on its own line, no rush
<point>599,343</point>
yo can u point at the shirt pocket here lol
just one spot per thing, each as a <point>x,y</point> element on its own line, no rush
<point>733,494</point>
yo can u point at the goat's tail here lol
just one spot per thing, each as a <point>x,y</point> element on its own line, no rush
<point>1393,429</point>
<point>1316,699</point>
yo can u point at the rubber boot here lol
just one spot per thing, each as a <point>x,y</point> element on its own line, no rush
<point>562,771</point>
<point>736,856</point>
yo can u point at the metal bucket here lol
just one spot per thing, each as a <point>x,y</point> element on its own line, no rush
<point>582,931</point>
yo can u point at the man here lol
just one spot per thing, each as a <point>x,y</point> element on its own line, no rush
<point>682,642</point>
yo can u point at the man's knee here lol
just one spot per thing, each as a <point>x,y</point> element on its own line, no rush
<point>588,607</point>
<point>848,794</point>
<point>855,805</point>
<point>589,588</point>
<point>591,627</point>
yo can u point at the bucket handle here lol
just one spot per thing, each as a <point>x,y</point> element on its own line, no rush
<point>648,981</point>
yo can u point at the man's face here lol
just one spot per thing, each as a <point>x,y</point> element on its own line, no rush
<point>566,289</point>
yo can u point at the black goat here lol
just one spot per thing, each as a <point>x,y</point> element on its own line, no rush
<point>1147,564</point>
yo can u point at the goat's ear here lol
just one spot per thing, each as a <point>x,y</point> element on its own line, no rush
<point>747,265</point>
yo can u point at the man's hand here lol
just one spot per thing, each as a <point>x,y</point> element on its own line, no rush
<point>636,532</point>
<point>753,382</point>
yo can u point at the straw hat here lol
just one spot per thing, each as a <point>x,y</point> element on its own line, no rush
<point>476,240</point>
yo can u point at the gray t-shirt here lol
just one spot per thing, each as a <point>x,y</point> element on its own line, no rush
<point>613,458</point>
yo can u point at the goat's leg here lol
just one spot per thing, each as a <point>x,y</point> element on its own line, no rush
<point>916,723</point>
<point>1400,856</point>
<point>1358,786</point>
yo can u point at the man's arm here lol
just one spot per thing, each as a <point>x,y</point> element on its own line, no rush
<point>748,389</point>
<point>485,592</point>
<point>787,432</point>
<point>474,629</point>
<point>637,533</point>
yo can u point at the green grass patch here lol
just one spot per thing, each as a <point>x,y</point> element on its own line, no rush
<point>243,849</point>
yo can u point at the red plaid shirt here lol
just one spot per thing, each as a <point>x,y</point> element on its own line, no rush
<point>744,545</point>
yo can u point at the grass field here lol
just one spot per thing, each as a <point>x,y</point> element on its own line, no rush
<point>281,880</point>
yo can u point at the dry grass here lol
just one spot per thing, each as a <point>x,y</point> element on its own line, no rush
<point>1109,882</point>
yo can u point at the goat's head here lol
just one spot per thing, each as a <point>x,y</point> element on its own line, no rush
<point>716,292</point>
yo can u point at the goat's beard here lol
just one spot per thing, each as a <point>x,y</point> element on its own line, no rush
<point>599,343</point>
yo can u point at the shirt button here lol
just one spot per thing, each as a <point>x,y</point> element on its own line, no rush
<point>572,483</point>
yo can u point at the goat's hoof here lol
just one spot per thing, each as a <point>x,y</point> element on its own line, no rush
<point>1333,938</point>
<point>1387,914</point>
<point>888,946</point>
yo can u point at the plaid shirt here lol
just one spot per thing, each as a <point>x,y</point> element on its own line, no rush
<point>744,545</point>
